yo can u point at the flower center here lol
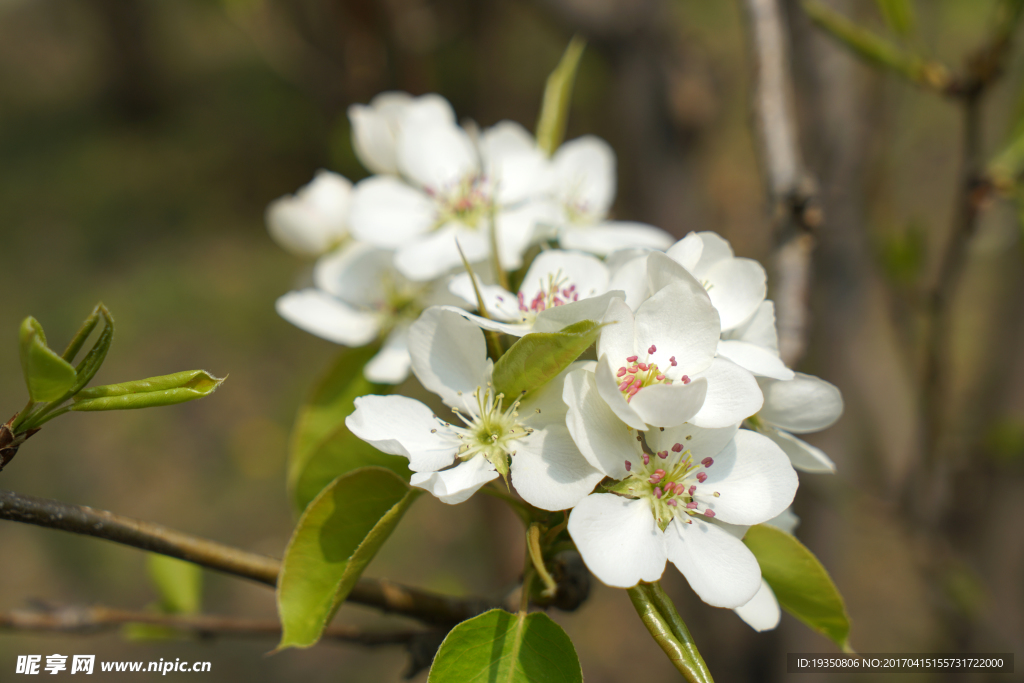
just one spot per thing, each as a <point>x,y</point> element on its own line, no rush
<point>670,480</point>
<point>637,374</point>
<point>468,202</point>
<point>557,291</point>
<point>490,429</point>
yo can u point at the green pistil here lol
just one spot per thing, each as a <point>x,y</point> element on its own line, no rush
<point>491,430</point>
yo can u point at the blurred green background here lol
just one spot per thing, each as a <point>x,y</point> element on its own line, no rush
<point>140,142</point>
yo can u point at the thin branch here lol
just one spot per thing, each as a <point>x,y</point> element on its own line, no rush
<point>97,619</point>
<point>795,210</point>
<point>430,608</point>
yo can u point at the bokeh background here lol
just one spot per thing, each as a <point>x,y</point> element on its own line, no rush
<point>140,142</point>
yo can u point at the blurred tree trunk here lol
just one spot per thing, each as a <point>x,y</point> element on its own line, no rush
<point>128,57</point>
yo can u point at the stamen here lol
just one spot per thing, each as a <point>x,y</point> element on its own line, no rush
<point>631,359</point>
<point>657,492</point>
<point>709,513</point>
<point>652,349</point>
<point>621,372</point>
<point>629,466</point>
<point>677,448</point>
<point>671,502</point>
<point>662,454</point>
<point>686,380</point>
<point>707,462</point>
<point>672,361</point>
<point>691,506</point>
<point>701,477</point>
<point>692,489</point>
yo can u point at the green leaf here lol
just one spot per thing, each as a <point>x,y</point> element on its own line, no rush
<point>801,584</point>
<point>877,50</point>
<point>90,364</point>
<point>148,393</point>
<point>334,540</point>
<point>499,647</point>
<point>47,375</point>
<point>898,15</point>
<point>540,356</point>
<point>322,448</point>
<point>179,583</point>
<point>83,333</point>
<point>669,631</point>
<point>554,110</point>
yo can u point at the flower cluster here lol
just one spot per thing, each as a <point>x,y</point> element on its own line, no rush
<point>673,438</point>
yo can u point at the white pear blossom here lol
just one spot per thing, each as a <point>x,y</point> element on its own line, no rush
<point>315,219</point>
<point>375,126</point>
<point>359,297</point>
<point>453,460</point>
<point>798,406</point>
<point>559,289</point>
<point>582,178</point>
<point>450,195</point>
<point>688,500</point>
<point>658,367</point>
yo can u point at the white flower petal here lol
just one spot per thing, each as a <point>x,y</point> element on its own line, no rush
<point>449,355</point>
<point>593,308</point>
<point>321,314</point>
<point>754,478</point>
<point>435,156</point>
<point>757,359</point>
<point>762,613</point>
<point>373,130</point>
<point>668,405</point>
<point>715,248</point>
<point>759,329</point>
<point>686,252</point>
<point>388,213</point>
<point>315,218</point>
<point>631,278</point>
<point>500,303</point>
<point>429,109</point>
<point>587,273</point>
<point>681,322</point>
<point>391,364</point>
<point>584,175</point>
<point>437,253</point>
<point>457,484</point>
<point>512,162</point>
<point>608,389</point>
<point>355,273</point>
<point>516,229</point>
<point>549,472</point>
<point>514,329</point>
<point>375,126</point>
<point>403,426</point>
<point>618,539</point>
<point>733,395</point>
<point>702,443</point>
<point>802,455</point>
<point>616,340</point>
<point>737,287</point>
<point>719,568</point>
<point>610,236</point>
<point>605,442</point>
<point>804,404</point>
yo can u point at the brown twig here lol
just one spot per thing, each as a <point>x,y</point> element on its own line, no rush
<point>430,608</point>
<point>796,213</point>
<point>97,619</point>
